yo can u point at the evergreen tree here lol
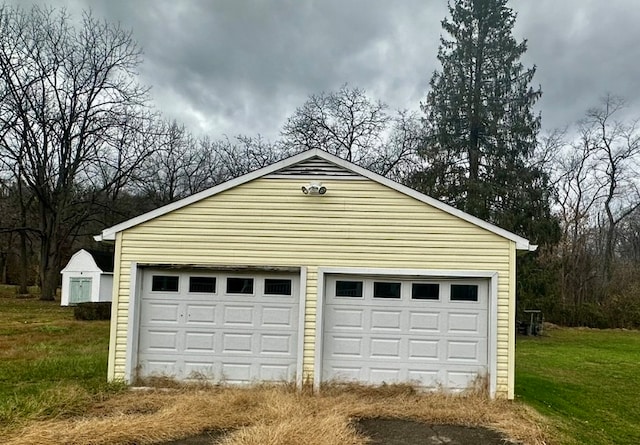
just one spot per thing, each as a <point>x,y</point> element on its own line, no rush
<point>481,129</point>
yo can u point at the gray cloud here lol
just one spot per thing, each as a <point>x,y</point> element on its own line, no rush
<point>583,50</point>
<point>230,67</point>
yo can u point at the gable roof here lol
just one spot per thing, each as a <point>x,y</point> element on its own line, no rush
<point>101,259</point>
<point>298,165</point>
<point>104,260</point>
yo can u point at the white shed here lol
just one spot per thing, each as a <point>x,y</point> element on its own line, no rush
<point>87,277</point>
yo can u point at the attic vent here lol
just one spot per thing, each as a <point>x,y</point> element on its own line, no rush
<point>313,167</point>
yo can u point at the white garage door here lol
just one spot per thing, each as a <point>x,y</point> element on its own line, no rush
<point>225,327</point>
<point>432,333</point>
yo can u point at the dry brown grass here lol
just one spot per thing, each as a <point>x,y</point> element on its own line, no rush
<point>275,415</point>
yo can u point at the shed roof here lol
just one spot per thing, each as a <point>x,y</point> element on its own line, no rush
<point>104,260</point>
<point>300,160</point>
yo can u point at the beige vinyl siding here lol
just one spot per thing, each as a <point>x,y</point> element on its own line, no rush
<point>358,223</point>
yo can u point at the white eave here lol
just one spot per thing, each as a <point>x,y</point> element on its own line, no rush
<point>109,234</point>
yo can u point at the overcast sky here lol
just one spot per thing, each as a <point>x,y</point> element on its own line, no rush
<point>228,67</point>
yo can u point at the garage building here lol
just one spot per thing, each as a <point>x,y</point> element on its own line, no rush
<point>314,269</point>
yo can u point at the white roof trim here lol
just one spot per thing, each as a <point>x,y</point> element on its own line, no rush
<point>110,233</point>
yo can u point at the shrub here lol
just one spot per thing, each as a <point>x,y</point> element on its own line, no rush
<point>93,311</point>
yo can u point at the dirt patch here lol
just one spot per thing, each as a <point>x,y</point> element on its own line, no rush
<point>208,438</point>
<point>408,432</point>
<point>393,432</point>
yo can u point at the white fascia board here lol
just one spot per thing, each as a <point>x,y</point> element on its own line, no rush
<point>110,233</point>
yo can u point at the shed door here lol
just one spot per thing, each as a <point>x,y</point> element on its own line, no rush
<point>226,327</point>
<point>429,332</point>
<point>79,290</point>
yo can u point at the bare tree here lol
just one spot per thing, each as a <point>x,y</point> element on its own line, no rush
<point>229,159</point>
<point>597,202</point>
<point>628,244</point>
<point>577,197</point>
<point>345,123</point>
<point>68,94</point>
<point>350,125</point>
<point>617,146</point>
<point>398,158</point>
<point>172,171</point>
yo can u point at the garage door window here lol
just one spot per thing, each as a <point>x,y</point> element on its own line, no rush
<point>349,289</point>
<point>202,285</point>
<point>239,285</point>
<point>386,290</point>
<point>277,287</point>
<point>464,292</point>
<point>425,291</point>
<point>164,283</point>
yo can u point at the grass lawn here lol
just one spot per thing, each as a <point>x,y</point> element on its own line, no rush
<point>51,365</point>
<point>588,381</point>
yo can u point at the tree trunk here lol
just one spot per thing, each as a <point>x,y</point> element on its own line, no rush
<point>24,262</point>
<point>48,254</point>
<point>48,271</point>
<point>3,267</point>
<point>49,284</point>
<point>475,201</point>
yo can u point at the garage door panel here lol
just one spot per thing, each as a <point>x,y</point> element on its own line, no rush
<point>238,316</point>
<point>341,346</point>
<point>160,340</point>
<point>346,318</point>
<point>458,350</point>
<point>281,344</point>
<point>424,322</point>
<point>160,367</point>
<point>276,372</point>
<point>343,373</point>
<point>198,369</point>
<point>236,372</point>
<point>380,375</point>
<point>160,312</point>
<point>465,323</point>
<point>423,377</point>
<point>420,340</point>
<point>424,349</point>
<point>200,342</point>
<point>386,320</point>
<point>460,379</point>
<point>234,343</point>
<point>383,348</point>
<point>201,313</point>
<point>225,337</point>
<point>278,317</point>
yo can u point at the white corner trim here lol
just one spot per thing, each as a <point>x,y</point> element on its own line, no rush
<point>319,326</point>
<point>133,324</point>
<point>492,335</point>
<point>302,304</point>
<point>109,233</point>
